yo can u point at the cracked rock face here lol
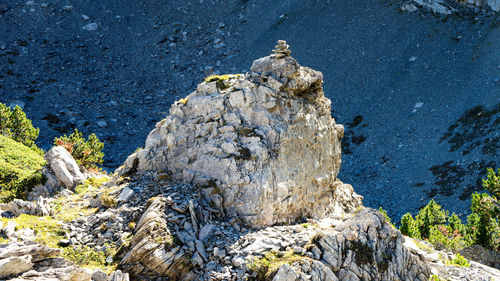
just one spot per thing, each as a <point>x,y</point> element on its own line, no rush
<point>262,146</point>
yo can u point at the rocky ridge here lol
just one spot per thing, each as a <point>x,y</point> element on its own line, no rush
<point>447,7</point>
<point>176,225</point>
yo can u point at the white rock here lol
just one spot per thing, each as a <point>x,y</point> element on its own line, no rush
<point>286,273</point>
<point>119,276</point>
<point>205,232</point>
<point>64,167</point>
<point>15,103</point>
<point>125,195</point>
<point>102,124</point>
<point>99,275</point>
<point>14,266</point>
<point>90,27</point>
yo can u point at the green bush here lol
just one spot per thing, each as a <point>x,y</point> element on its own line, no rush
<point>429,216</point>
<point>15,125</point>
<point>459,260</point>
<point>87,153</point>
<point>484,227</point>
<point>20,169</point>
<point>387,218</point>
<point>441,238</point>
<point>448,232</point>
<point>492,182</point>
<point>409,226</point>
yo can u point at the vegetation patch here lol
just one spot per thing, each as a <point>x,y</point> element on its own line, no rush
<point>168,240</point>
<point>424,247</point>
<point>383,266</point>
<point>363,252</point>
<point>387,218</point>
<point>447,232</point>
<point>459,261</point>
<point>87,257</point>
<point>20,169</point>
<point>314,241</point>
<point>434,277</point>
<point>267,266</point>
<point>220,79</point>
<point>50,230</point>
<point>47,229</point>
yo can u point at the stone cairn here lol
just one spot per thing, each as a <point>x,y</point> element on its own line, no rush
<point>281,50</point>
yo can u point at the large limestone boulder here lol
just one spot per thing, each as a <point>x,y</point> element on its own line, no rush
<point>263,145</point>
<point>64,167</point>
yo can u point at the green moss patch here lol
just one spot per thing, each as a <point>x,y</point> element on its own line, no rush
<point>269,265</point>
<point>459,260</point>
<point>363,252</point>
<point>220,79</point>
<point>20,169</point>
<point>47,229</point>
<point>87,257</point>
<point>50,230</point>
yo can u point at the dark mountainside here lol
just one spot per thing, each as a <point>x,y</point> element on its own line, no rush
<point>419,93</point>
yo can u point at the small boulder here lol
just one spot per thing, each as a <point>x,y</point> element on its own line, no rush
<point>64,167</point>
<point>286,273</point>
<point>13,266</point>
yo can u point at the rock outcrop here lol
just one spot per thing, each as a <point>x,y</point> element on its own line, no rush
<point>41,207</point>
<point>262,145</point>
<point>152,249</point>
<point>447,7</point>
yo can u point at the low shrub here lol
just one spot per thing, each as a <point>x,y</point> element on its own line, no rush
<point>20,169</point>
<point>459,260</point>
<point>86,256</point>
<point>448,232</point>
<point>387,218</point>
<point>87,153</point>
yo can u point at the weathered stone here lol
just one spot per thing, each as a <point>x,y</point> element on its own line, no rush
<point>152,249</point>
<point>64,167</point>
<point>482,255</point>
<point>352,253</point>
<point>99,275</point>
<point>494,5</point>
<point>273,155</point>
<point>41,207</point>
<point>436,6</point>
<point>125,194</point>
<point>286,273</point>
<point>119,276</point>
<point>36,251</point>
<point>13,266</point>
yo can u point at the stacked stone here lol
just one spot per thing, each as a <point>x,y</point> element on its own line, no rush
<point>281,50</point>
